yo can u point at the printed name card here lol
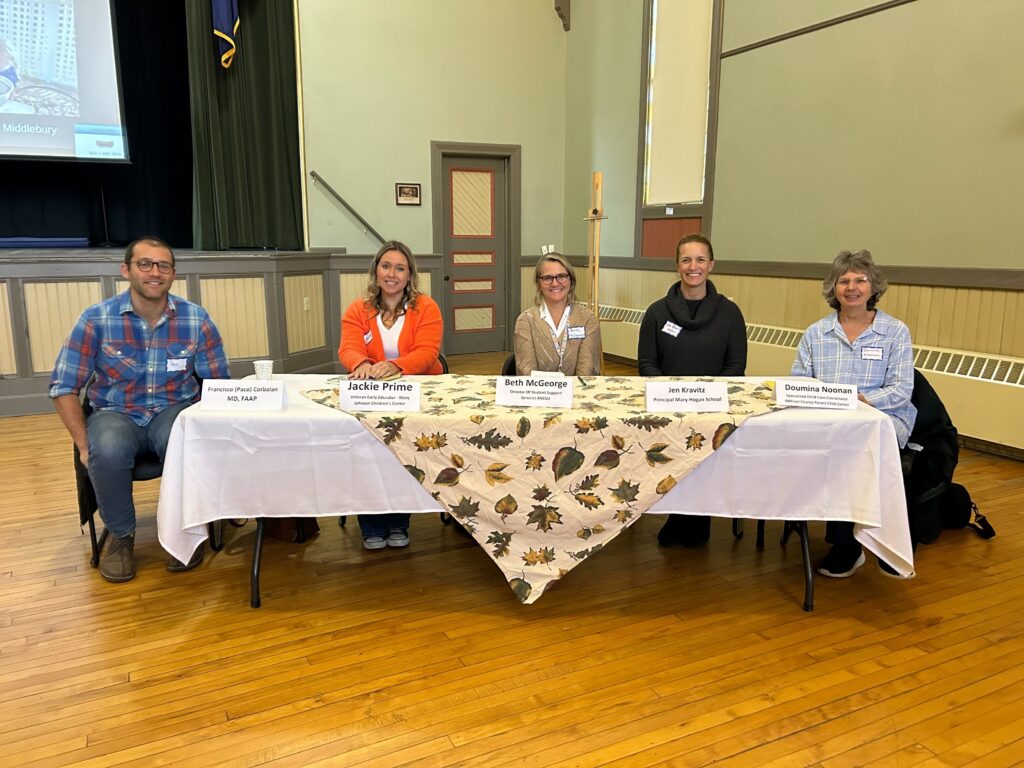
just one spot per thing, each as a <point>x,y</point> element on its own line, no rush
<point>242,395</point>
<point>534,392</point>
<point>807,393</point>
<point>375,395</point>
<point>687,396</point>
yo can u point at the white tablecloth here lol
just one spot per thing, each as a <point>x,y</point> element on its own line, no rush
<point>808,464</point>
<point>309,460</point>
<point>305,461</point>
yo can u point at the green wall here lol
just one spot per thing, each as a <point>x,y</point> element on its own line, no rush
<point>750,21</point>
<point>602,103</point>
<point>901,132</point>
<point>380,80</point>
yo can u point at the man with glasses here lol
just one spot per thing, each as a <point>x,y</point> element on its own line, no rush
<point>139,355</point>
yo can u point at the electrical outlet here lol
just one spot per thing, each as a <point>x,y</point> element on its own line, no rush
<point>551,247</point>
<point>306,303</point>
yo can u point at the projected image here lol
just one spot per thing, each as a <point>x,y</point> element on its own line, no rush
<point>53,101</point>
<point>38,71</point>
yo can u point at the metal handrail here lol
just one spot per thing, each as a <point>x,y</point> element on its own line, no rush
<point>317,177</point>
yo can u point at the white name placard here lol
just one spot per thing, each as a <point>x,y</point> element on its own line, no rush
<point>242,395</point>
<point>534,392</point>
<point>805,393</point>
<point>372,395</point>
<point>687,396</point>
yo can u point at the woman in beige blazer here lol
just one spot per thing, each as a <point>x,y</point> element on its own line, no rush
<point>557,334</point>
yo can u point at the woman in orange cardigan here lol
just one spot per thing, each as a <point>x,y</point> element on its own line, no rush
<point>392,330</point>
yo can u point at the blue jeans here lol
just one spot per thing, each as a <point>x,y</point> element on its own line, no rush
<point>114,443</point>
<point>381,525</point>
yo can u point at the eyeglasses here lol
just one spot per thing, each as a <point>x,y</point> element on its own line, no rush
<point>860,282</point>
<point>561,277</point>
<point>145,265</point>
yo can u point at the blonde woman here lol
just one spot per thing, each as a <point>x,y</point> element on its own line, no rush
<point>392,330</point>
<point>557,334</point>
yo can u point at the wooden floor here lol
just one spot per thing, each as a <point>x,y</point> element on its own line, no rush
<point>641,656</point>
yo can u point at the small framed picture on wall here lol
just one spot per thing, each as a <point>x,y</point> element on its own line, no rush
<point>407,193</point>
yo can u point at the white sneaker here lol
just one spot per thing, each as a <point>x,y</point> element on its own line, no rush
<point>374,542</point>
<point>398,537</point>
<point>837,570</point>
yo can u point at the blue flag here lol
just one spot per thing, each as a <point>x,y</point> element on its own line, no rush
<point>225,29</point>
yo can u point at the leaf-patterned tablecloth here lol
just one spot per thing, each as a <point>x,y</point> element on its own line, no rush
<point>542,490</point>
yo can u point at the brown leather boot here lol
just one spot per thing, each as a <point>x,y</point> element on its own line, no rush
<point>118,562</point>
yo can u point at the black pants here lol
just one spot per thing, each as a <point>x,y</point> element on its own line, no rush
<point>840,534</point>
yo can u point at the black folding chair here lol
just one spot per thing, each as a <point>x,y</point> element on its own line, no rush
<point>147,467</point>
<point>508,368</point>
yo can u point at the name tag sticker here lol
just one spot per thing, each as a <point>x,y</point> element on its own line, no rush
<point>177,364</point>
<point>379,395</point>
<point>687,396</point>
<point>671,328</point>
<point>367,337</point>
<point>577,332</point>
<point>534,392</point>
<point>808,393</point>
<point>242,395</point>
<point>871,353</point>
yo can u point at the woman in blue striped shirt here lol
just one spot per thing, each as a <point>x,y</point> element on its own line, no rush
<point>862,345</point>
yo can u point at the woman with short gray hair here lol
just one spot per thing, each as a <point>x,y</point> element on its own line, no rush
<point>862,345</point>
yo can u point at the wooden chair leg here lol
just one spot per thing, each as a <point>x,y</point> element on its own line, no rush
<point>257,556</point>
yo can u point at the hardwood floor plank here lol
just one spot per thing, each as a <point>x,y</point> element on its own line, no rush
<point>643,656</point>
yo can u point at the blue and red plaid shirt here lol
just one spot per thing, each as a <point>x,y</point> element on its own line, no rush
<point>139,370</point>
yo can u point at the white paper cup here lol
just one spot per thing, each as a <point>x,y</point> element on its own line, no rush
<point>264,369</point>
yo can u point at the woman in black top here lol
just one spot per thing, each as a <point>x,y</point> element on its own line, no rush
<point>693,331</point>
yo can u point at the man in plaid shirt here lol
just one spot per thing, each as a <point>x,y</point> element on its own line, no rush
<point>139,354</point>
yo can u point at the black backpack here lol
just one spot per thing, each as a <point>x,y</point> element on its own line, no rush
<point>958,509</point>
<point>934,501</point>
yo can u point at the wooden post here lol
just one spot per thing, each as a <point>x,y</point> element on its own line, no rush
<point>594,217</point>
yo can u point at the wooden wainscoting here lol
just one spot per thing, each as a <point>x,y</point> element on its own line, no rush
<point>51,311</point>
<point>973,319</point>
<point>8,365</point>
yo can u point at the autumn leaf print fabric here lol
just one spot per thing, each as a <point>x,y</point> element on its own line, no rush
<point>542,490</point>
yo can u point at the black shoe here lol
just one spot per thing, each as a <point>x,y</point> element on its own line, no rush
<point>841,562</point>
<point>892,573</point>
<point>174,565</point>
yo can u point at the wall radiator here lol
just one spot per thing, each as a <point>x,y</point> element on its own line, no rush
<point>983,393</point>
